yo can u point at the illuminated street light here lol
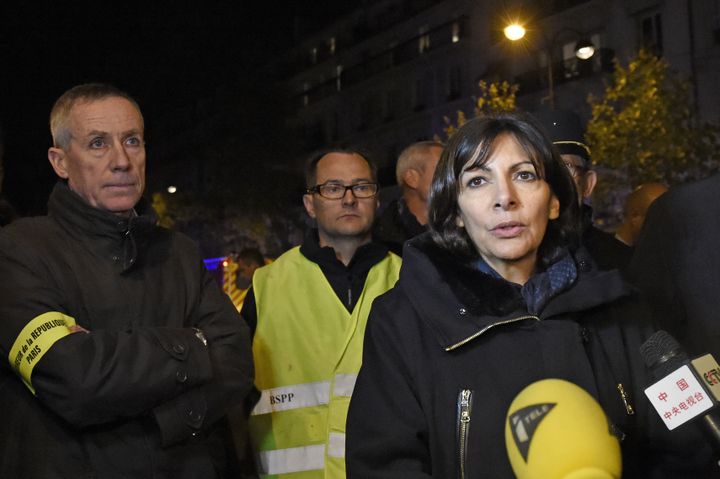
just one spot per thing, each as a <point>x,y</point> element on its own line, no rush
<point>514,32</point>
<point>584,49</point>
<point>171,189</point>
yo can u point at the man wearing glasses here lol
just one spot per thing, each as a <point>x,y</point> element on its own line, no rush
<point>308,310</point>
<point>566,132</point>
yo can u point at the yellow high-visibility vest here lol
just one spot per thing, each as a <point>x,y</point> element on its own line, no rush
<point>308,351</point>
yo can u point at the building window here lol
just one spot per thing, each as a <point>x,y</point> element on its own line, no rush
<point>651,36</point>
<point>423,40</point>
<point>418,103</point>
<point>314,136</point>
<point>338,77</point>
<point>423,92</point>
<point>393,104</point>
<point>455,83</point>
<point>306,97</point>
<point>543,58</point>
<point>333,127</point>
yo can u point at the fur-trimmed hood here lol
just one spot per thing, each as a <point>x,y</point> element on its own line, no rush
<point>460,302</point>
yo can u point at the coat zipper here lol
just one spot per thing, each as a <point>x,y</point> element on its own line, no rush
<point>499,323</point>
<point>463,426</point>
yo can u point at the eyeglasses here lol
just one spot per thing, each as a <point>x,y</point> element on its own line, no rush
<point>336,191</point>
<point>575,170</point>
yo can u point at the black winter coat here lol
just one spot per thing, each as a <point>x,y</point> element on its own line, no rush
<point>676,264</point>
<point>139,396</point>
<point>446,328</point>
<point>396,225</point>
<point>607,251</point>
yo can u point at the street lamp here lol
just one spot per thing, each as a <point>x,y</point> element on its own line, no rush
<point>514,31</point>
<point>584,49</point>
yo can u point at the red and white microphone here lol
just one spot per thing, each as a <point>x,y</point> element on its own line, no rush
<point>688,389</point>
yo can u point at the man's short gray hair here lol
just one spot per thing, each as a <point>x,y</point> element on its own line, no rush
<point>60,113</point>
<point>413,157</point>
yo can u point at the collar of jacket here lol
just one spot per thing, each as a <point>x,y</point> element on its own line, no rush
<point>365,257</point>
<point>460,303</point>
<point>586,217</point>
<point>118,238</point>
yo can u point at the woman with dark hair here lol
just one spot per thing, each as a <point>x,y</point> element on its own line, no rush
<point>497,295</point>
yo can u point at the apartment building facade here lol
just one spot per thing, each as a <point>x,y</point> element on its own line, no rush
<point>387,74</point>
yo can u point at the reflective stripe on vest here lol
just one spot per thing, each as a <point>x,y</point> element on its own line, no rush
<point>344,384</point>
<point>294,459</point>
<point>293,397</point>
<point>336,444</point>
<point>304,395</point>
<point>297,459</point>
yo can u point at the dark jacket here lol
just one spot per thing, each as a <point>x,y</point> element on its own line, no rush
<point>446,327</point>
<point>396,225</point>
<point>676,264</point>
<point>140,395</point>
<point>607,251</point>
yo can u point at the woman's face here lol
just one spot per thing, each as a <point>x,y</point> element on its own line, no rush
<point>505,207</point>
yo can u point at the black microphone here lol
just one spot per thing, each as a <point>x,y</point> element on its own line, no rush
<point>687,389</point>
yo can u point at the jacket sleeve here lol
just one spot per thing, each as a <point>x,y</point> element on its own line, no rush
<point>103,376</point>
<point>230,352</point>
<point>386,429</point>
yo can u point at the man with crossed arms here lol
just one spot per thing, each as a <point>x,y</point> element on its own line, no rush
<point>122,353</point>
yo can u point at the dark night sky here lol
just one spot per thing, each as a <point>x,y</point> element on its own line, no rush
<point>161,52</point>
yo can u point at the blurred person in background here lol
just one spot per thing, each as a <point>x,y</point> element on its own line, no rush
<point>406,217</point>
<point>676,264</point>
<point>567,134</point>
<point>635,210</point>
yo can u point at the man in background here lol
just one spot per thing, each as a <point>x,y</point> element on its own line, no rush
<point>567,134</point>
<point>308,310</point>
<point>248,260</point>
<point>407,216</point>
<point>636,207</point>
<point>676,264</point>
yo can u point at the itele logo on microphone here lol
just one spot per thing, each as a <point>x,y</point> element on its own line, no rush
<point>524,422</point>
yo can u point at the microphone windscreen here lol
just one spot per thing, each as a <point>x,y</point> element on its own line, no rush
<point>662,353</point>
<point>557,430</point>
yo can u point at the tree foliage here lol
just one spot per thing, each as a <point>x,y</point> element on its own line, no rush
<point>644,129</point>
<point>495,97</point>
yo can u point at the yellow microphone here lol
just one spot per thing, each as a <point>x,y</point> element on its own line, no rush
<point>556,430</point>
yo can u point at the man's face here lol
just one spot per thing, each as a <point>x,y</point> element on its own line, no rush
<point>104,162</point>
<point>246,269</point>
<point>584,178</point>
<point>347,217</point>
<point>426,175</point>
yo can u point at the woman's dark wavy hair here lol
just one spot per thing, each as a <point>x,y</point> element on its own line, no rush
<point>473,145</point>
